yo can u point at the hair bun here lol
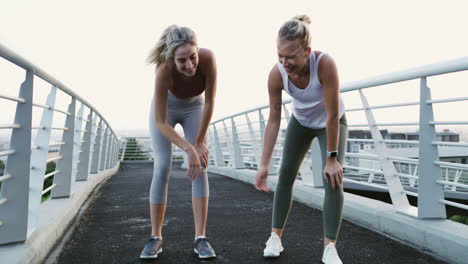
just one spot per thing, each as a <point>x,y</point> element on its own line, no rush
<point>303,18</point>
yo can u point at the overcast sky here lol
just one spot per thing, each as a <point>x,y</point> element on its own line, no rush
<point>99,48</point>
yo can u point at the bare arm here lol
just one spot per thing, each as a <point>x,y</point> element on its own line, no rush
<point>163,82</point>
<point>210,91</point>
<point>275,87</point>
<point>328,75</point>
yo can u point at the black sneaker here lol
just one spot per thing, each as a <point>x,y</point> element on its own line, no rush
<point>152,248</point>
<point>203,248</point>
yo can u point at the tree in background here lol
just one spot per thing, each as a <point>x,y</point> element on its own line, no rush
<point>460,219</point>
<point>134,151</point>
<point>49,181</point>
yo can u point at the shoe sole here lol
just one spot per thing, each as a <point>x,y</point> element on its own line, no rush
<point>270,255</point>
<point>153,256</point>
<point>202,257</point>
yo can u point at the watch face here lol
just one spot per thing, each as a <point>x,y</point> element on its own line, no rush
<point>332,153</point>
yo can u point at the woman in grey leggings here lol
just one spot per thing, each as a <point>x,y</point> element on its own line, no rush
<point>183,73</point>
<point>311,78</point>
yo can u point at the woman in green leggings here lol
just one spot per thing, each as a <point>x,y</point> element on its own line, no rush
<point>311,78</point>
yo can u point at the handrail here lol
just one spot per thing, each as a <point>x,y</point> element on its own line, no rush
<point>438,68</point>
<point>18,60</point>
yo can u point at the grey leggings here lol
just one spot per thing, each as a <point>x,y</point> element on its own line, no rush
<point>188,113</point>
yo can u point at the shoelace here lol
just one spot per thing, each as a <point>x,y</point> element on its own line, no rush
<point>272,240</point>
<point>199,242</point>
<point>154,241</point>
<point>332,253</point>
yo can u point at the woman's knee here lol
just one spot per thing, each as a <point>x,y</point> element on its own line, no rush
<point>287,175</point>
<point>334,194</point>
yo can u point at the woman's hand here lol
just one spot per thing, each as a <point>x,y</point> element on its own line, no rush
<point>333,173</point>
<point>194,169</point>
<point>202,151</point>
<point>261,179</point>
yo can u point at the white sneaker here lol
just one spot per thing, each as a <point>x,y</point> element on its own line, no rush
<point>330,255</point>
<point>273,246</point>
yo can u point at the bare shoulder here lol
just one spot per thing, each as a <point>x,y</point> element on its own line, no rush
<point>206,55</point>
<point>326,62</point>
<point>163,73</point>
<point>275,81</point>
<point>163,68</point>
<point>327,67</point>
<point>206,60</point>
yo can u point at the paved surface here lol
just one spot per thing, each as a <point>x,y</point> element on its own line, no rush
<point>116,225</point>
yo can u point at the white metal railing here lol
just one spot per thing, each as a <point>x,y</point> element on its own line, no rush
<point>82,151</point>
<point>236,142</point>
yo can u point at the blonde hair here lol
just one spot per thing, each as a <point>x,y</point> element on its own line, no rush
<point>297,28</point>
<point>172,38</point>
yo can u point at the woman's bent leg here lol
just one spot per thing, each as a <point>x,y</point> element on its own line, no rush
<point>200,187</point>
<point>162,149</point>
<point>297,143</point>
<point>333,202</point>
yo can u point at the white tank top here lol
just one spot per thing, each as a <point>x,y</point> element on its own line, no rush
<point>307,104</point>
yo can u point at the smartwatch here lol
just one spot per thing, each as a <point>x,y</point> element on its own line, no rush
<point>332,154</point>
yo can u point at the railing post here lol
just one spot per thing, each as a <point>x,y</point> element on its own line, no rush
<point>414,172</point>
<point>111,151</point>
<point>108,150</point>
<point>395,188</point>
<point>63,178</point>
<point>315,175</point>
<point>77,139</point>
<point>102,164</point>
<point>254,141</point>
<point>117,151</point>
<point>15,191</point>
<point>286,113</point>
<point>211,148</point>
<point>271,167</point>
<point>117,157</point>
<point>39,160</point>
<point>261,126</point>
<point>429,191</point>
<point>229,145</point>
<point>238,162</point>
<point>85,155</point>
<point>112,156</point>
<point>219,159</point>
<point>124,147</point>
<point>458,174</point>
<point>95,164</point>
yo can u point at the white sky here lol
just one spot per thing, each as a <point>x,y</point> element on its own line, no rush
<point>99,48</point>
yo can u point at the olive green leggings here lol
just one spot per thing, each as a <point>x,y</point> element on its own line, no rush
<point>297,143</point>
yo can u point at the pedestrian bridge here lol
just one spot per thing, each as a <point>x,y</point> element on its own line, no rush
<point>88,202</point>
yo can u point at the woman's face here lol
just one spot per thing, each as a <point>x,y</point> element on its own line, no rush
<point>186,59</point>
<point>292,55</point>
